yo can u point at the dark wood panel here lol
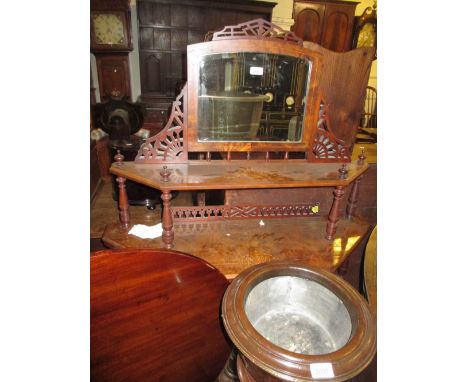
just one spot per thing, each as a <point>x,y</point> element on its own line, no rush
<point>150,68</point>
<point>162,39</point>
<point>325,22</point>
<point>114,75</point>
<point>155,70</point>
<point>195,17</point>
<point>177,69</point>
<point>179,15</point>
<point>195,37</point>
<point>178,39</point>
<point>145,13</point>
<point>155,317</point>
<point>161,14</point>
<point>146,38</point>
<point>308,24</point>
<point>338,28</point>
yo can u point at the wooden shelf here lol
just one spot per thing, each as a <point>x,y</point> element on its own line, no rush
<point>234,245</point>
<point>215,175</point>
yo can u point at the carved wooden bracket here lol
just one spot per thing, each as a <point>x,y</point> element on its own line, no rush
<point>168,145</point>
<point>257,28</point>
<point>326,145</point>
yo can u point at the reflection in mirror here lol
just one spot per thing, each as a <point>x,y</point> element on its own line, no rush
<point>252,97</point>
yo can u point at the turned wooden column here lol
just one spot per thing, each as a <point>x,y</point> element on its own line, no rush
<point>124,215</point>
<point>123,203</point>
<point>229,373</point>
<point>334,211</point>
<point>352,200</point>
<point>168,233</point>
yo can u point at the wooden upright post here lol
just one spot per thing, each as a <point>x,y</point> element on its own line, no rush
<point>352,200</point>
<point>124,215</point>
<point>168,233</point>
<point>334,210</point>
<point>123,203</point>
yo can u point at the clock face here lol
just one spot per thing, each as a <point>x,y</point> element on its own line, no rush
<point>289,100</point>
<point>109,29</point>
<point>367,36</point>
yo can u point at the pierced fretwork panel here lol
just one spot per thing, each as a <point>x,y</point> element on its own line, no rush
<point>258,28</point>
<point>168,145</point>
<point>243,212</point>
<point>326,145</point>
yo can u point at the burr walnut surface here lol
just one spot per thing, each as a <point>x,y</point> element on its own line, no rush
<point>155,317</point>
<point>234,245</point>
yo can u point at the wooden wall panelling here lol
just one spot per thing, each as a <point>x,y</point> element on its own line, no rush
<point>165,29</point>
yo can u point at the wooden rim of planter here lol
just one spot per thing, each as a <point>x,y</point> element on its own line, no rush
<point>347,361</point>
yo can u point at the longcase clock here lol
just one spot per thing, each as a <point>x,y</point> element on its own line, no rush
<point>110,43</point>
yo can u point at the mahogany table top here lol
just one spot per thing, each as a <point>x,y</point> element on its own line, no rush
<point>211,175</point>
<point>155,316</point>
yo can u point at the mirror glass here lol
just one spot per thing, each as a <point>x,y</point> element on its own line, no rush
<point>245,97</point>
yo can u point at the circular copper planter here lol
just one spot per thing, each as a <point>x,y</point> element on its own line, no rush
<point>295,323</point>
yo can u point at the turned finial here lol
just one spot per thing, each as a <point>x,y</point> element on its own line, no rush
<point>119,158</point>
<point>165,174</point>
<point>343,171</point>
<point>362,156</point>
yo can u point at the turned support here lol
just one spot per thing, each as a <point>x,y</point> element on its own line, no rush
<point>334,211</point>
<point>229,373</point>
<point>123,203</point>
<point>168,233</point>
<point>353,198</point>
<point>123,198</point>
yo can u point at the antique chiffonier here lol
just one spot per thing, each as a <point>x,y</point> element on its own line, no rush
<point>270,123</point>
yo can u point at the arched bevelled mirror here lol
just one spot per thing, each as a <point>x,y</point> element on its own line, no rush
<point>245,95</point>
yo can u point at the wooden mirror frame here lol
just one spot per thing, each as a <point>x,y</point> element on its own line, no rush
<point>196,52</point>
